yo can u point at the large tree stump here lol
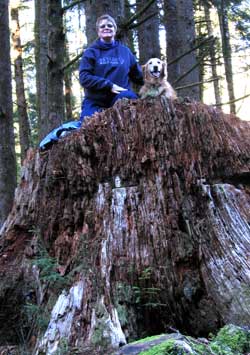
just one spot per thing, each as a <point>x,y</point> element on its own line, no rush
<point>147,211</point>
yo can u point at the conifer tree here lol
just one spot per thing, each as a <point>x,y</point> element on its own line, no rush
<point>7,151</point>
<point>24,127</point>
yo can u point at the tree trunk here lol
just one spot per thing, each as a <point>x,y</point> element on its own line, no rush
<point>94,9</point>
<point>24,126</point>
<point>201,54</point>
<point>68,87</point>
<point>172,39</point>
<point>227,53</point>
<point>142,218</point>
<point>7,144</point>
<point>212,55</point>
<point>92,12</point>
<point>131,34</point>
<point>148,33</point>
<point>41,58</point>
<point>180,32</point>
<point>56,47</point>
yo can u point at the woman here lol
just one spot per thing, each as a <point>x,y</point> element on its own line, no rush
<point>106,69</point>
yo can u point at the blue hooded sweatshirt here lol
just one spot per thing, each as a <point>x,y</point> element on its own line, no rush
<point>104,64</point>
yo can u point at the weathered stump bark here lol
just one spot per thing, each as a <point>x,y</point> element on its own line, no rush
<point>147,211</point>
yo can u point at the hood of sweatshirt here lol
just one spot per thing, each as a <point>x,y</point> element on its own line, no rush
<point>98,44</point>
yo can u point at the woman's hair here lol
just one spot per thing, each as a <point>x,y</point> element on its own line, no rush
<point>105,17</point>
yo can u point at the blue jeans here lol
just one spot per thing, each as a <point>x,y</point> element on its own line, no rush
<point>90,106</point>
<point>58,133</point>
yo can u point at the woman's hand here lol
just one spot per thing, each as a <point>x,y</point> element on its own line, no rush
<point>116,89</point>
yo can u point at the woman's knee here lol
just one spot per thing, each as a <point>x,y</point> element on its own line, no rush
<point>88,109</point>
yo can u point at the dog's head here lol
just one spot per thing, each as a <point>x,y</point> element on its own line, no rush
<point>154,70</point>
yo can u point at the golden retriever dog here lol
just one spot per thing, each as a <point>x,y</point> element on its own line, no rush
<point>155,80</point>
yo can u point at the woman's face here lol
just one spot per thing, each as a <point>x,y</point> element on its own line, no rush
<point>106,31</point>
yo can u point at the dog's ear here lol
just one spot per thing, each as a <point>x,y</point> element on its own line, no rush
<point>145,71</point>
<point>164,72</point>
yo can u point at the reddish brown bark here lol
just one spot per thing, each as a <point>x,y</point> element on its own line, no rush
<point>149,204</point>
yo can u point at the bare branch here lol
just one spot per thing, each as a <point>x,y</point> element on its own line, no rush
<point>189,71</point>
<point>137,14</point>
<point>74,3</point>
<point>142,21</point>
<point>232,101</point>
<point>198,83</point>
<point>205,41</point>
<point>71,62</point>
<point>27,44</point>
<point>50,59</point>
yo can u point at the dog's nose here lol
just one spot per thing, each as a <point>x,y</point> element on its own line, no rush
<point>155,68</point>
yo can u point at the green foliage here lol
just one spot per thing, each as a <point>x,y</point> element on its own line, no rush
<point>146,274</point>
<point>148,296</point>
<point>137,293</point>
<point>123,297</point>
<point>165,348</point>
<point>48,267</point>
<point>199,349</point>
<point>87,249</point>
<point>63,347</point>
<point>172,347</point>
<point>101,334</point>
<point>49,274</point>
<point>98,338</point>
<point>239,13</point>
<point>220,349</point>
<point>153,337</point>
<point>231,340</point>
<point>33,119</point>
<point>246,292</point>
<point>122,314</point>
<point>37,315</point>
<point>145,293</point>
<point>123,292</point>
